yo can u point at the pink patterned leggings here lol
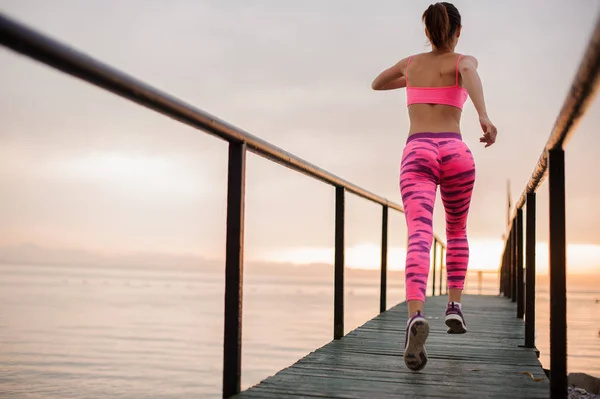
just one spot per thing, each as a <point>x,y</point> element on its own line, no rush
<point>430,159</point>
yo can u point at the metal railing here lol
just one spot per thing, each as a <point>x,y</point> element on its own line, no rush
<point>480,274</point>
<point>520,286</point>
<point>44,49</point>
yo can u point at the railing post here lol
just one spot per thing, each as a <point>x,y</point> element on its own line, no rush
<point>506,275</point>
<point>516,260</point>
<point>510,264</point>
<point>558,261</point>
<point>435,245</point>
<point>234,270</point>
<point>504,270</point>
<point>513,264</point>
<point>519,248</point>
<point>530,273</point>
<point>508,260</point>
<point>502,258</point>
<point>338,296</point>
<point>384,253</point>
<point>442,266</point>
<point>508,278</point>
<point>507,281</point>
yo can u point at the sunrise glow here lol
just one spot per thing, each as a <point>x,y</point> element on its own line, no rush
<point>485,255</point>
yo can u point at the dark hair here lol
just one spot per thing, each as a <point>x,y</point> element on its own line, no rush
<point>441,20</point>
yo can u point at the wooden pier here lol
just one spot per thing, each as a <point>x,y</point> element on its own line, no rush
<point>486,362</point>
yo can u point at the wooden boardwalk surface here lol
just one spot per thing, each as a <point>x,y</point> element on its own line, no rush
<point>486,362</point>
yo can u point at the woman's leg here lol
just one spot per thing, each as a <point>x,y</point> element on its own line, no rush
<point>418,183</point>
<point>456,185</point>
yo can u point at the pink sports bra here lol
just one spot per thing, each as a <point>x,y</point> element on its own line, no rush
<point>447,95</point>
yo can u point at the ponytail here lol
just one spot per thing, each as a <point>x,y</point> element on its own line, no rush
<point>439,26</point>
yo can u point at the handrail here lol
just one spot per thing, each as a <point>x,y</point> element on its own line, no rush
<point>42,48</point>
<point>520,286</point>
<point>582,92</point>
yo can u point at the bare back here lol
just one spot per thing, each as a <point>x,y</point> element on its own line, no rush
<point>433,70</point>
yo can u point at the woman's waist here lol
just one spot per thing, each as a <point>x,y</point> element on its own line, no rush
<point>434,125</point>
<point>430,117</point>
<point>434,128</point>
<point>433,136</point>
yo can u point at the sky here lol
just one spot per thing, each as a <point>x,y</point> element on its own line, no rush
<point>81,168</point>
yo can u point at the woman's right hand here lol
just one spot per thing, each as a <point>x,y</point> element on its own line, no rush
<point>489,131</point>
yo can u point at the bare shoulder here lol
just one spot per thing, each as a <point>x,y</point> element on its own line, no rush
<point>468,61</point>
<point>403,63</point>
<point>417,55</point>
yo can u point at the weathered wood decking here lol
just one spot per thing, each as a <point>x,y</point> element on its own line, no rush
<point>487,362</point>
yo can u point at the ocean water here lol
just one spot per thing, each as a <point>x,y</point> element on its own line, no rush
<point>98,332</point>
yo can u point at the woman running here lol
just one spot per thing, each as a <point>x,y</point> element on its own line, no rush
<point>437,86</point>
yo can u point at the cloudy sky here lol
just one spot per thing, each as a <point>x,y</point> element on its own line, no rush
<point>81,168</point>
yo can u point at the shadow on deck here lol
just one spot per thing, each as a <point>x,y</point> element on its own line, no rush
<point>487,362</point>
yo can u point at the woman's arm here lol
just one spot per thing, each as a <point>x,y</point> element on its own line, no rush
<point>471,81</point>
<point>391,78</point>
<point>468,70</point>
<point>394,84</point>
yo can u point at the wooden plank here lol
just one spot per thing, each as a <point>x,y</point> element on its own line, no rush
<point>487,362</point>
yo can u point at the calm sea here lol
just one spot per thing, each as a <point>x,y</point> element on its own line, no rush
<point>91,332</point>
